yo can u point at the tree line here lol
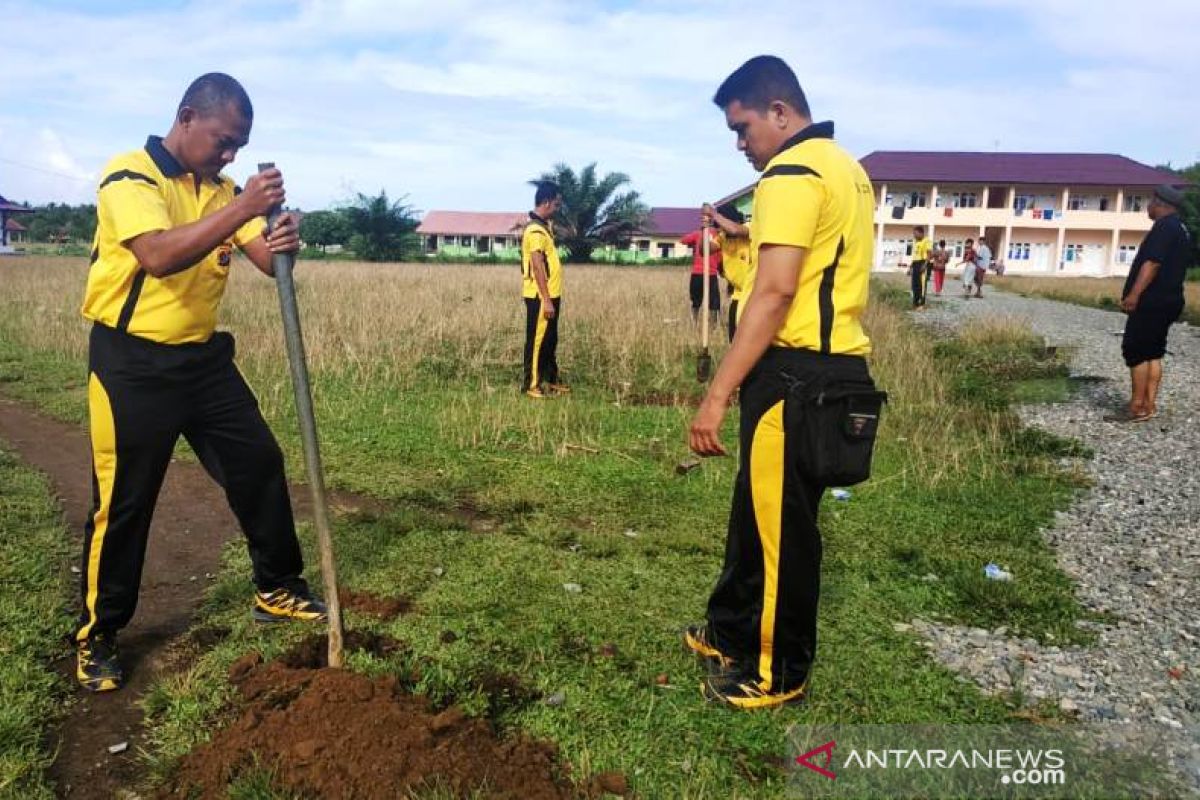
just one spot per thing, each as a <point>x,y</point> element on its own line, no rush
<point>597,211</point>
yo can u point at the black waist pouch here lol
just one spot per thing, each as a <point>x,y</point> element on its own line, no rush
<point>834,422</point>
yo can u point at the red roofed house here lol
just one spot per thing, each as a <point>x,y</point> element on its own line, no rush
<point>1042,213</point>
<point>10,229</point>
<point>466,234</point>
<point>462,234</point>
<point>14,232</point>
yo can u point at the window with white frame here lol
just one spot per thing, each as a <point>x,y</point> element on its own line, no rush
<point>1022,202</point>
<point>1018,251</point>
<point>1126,253</point>
<point>1134,203</point>
<point>964,200</point>
<point>1079,202</point>
<point>467,241</point>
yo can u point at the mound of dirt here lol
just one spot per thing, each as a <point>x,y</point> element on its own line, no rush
<point>333,733</point>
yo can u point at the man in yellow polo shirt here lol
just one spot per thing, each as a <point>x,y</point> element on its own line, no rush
<point>798,329</point>
<point>541,288</point>
<point>734,240</point>
<point>168,221</point>
<point>919,269</point>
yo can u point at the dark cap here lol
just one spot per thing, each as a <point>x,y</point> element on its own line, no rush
<point>1169,195</point>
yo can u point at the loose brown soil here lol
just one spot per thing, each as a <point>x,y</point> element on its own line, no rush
<point>332,733</point>
<point>373,605</point>
<point>191,523</point>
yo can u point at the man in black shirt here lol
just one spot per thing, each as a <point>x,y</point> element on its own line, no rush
<point>1153,299</point>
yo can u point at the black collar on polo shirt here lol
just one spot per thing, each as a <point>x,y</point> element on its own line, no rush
<point>167,164</point>
<point>817,130</point>
<point>533,216</point>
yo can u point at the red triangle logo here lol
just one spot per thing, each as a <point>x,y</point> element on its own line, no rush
<point>827,749</point>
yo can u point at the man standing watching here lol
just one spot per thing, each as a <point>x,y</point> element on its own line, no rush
<point>168,221</point>
<point>811,254</point>
<point>983,260</point>
<point>919,270</point>
<point>1153,299</point>
<point>541,287</point>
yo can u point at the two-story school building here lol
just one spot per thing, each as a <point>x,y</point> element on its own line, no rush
<point>1041,213</point>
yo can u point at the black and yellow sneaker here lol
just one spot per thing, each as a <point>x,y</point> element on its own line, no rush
<point>284,604</point>
<point>97,663</point>
<point>698,639</point>
<point>745,691</point>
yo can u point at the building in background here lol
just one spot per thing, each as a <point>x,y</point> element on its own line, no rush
<point>470,234</point>
<point>1041,213</point>
<point>11,231</point>
<point>466,234</point>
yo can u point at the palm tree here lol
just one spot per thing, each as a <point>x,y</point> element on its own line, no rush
<point>381,229</point>
<point>593,213</point>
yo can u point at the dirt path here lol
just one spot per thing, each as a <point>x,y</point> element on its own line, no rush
<point>191,523</point>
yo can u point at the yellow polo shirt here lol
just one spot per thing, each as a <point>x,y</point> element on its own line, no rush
<point>735,261</point>
<point>538,238</point>
<point>815,195</point>
<point>921,250</point>
<point>148,190</point>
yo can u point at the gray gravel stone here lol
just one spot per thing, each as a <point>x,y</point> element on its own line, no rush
<point>1131,543</point>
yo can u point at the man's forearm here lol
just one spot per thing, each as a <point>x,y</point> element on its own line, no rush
<point>163,253</point>
<point>1145,277</point>
<point>764,314</point>
<point>539,276</point>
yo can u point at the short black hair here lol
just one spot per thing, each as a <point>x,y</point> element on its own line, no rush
<point>969,241</point>
<point>546,191</point>
<point>730,211</point>
<point>941,242</point>
<point>761,81</point>
<point>213,91</point>
<point>919,229</point>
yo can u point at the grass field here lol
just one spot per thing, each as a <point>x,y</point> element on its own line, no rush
<point>495,502</point>
<point>33,578</point>
<point>1096,292</point>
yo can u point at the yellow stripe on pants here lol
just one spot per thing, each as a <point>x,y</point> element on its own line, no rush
<point>539,336</point>
<point>766,492</point>
<point>104,463</point>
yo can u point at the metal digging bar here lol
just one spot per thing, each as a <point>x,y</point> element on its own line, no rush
<point>282,264</point>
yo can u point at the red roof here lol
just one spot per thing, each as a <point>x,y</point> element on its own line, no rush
<point>472,223</point>
<point>1062,169</point>
<point>672,222</point>
<point>12,226</point>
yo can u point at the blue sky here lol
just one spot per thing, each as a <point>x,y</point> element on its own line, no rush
<point>457,103</point>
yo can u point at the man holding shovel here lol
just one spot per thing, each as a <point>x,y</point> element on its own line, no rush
<point>168,223</point>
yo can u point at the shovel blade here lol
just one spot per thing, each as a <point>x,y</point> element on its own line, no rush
<point>703,367</point>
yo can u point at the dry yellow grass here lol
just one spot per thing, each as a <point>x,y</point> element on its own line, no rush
<point>626,332</point>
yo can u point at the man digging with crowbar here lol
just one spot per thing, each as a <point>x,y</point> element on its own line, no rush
<point>158,369</point>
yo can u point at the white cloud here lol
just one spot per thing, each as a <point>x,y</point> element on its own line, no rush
<point>457,103</point>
